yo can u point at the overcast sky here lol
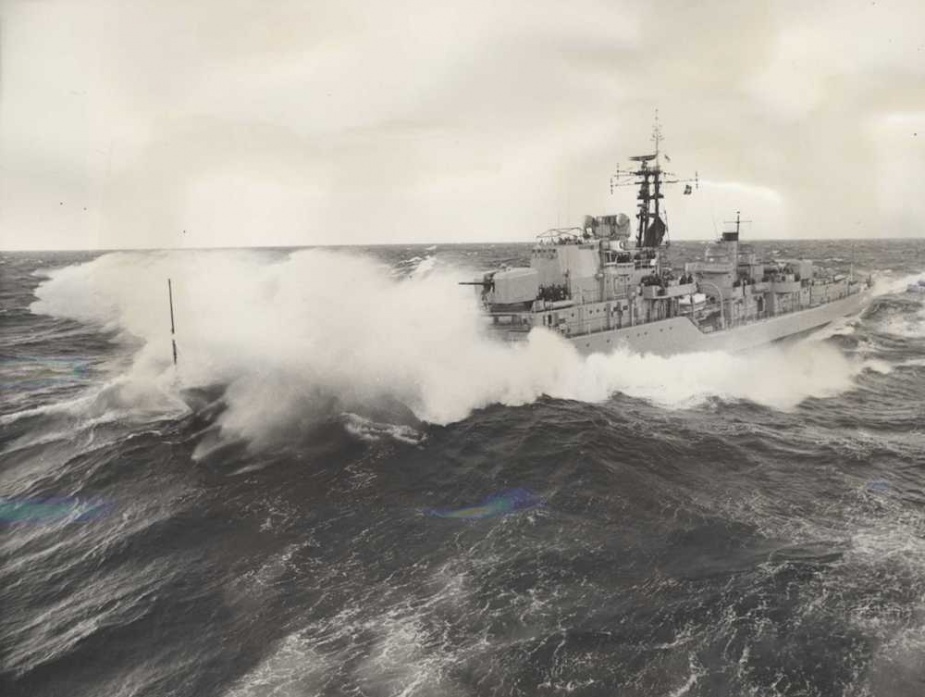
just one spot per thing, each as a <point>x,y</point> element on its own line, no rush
<point>199,123</point>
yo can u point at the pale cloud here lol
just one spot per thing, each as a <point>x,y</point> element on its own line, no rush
<point>165,123</point>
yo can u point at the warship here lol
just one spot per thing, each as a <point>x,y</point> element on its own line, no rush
<point>602,290</point>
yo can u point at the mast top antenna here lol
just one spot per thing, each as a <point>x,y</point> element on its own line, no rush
<point>737,222</point>
<point>656,133</point>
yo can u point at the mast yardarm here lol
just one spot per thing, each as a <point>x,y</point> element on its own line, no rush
<point>647,174</point>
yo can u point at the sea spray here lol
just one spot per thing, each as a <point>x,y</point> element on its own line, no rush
<point>302,337</point>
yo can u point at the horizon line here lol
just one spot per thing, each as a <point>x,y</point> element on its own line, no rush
<point>421,244</point>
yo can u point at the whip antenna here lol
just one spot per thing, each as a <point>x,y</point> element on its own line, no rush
<point>173,339</point>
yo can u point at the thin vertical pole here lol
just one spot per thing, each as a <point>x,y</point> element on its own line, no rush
<point>173,339</point>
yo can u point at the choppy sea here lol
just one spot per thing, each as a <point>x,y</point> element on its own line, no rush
<point>345,488</point>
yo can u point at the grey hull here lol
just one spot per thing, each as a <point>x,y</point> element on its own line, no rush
<point>681,335</point>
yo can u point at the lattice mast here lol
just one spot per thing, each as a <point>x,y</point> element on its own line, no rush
<point>649,177</point>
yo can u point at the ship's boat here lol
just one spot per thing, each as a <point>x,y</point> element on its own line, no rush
<point>601,289</point>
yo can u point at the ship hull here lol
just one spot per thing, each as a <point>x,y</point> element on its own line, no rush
<point>680,335</point>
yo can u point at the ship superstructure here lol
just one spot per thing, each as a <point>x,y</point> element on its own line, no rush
<point>601,288</point>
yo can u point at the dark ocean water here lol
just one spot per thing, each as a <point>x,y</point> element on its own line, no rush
<point>345,490</point>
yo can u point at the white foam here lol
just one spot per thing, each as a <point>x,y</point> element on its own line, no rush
<point>906,326</point>
<point>377,644</point>
<point>888,283</point>
<point>912,363</point>
<point>372,431</point>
